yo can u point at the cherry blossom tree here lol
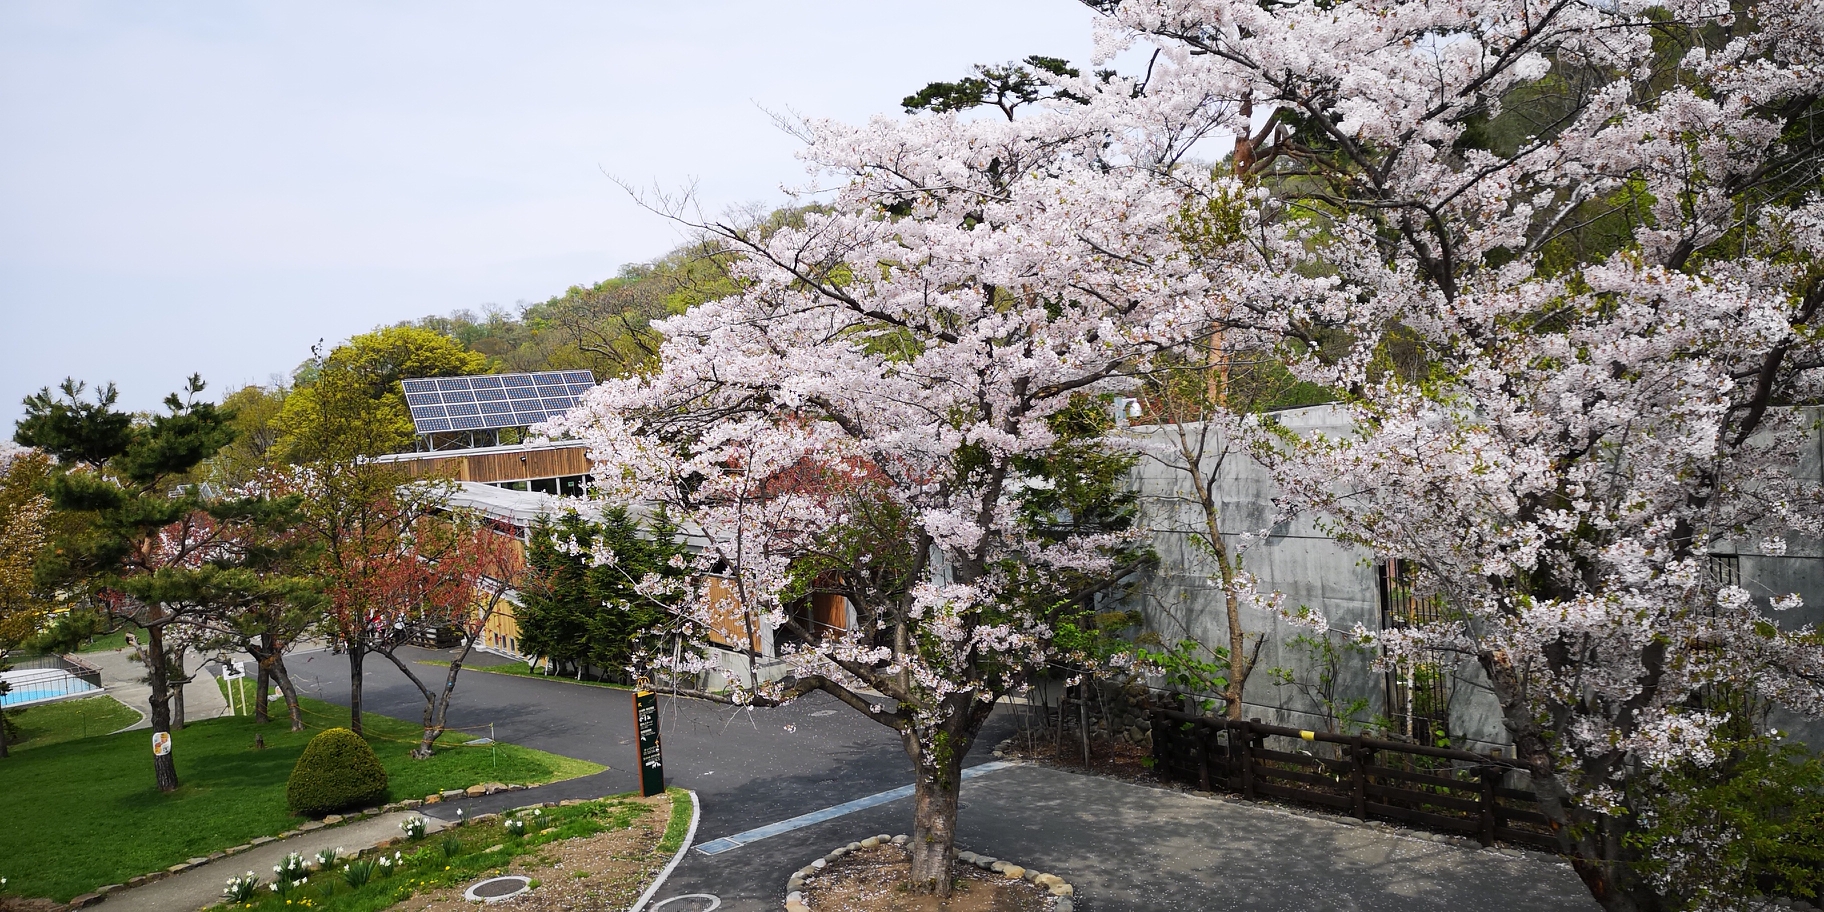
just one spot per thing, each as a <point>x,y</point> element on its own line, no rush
<point>363,521</point>
<point>1566,262</point>
<point>464,572</point>
<point>882,396</point>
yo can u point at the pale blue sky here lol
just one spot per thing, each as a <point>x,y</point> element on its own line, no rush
<point>213,187</point>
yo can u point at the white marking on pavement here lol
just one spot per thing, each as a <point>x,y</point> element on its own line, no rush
<point>690,836</point>
<point>715,902</point>
<point>726,843</point>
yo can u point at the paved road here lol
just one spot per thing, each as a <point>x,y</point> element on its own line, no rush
<point>1125,847</point>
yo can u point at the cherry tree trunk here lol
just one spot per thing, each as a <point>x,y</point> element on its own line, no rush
<point>164,767</point>
<point>933,842</point>
<point>1591,842</point>
<point>355,655</point>
<point>437,711</point>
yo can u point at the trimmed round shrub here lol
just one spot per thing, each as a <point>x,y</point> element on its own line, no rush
<point>337,771</point>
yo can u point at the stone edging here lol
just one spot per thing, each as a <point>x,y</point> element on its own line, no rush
<point>1061,892</point>
<point>473,791</point>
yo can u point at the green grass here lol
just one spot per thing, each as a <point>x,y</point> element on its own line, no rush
<point>680,821</point>
<point>245,688</point>
<point>85,812</point>
<point>521,669</point>
<point>67,720</point>
<point>426,868</point>
<point>106,642</point>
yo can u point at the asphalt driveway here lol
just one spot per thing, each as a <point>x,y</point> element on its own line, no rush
<point>1125,847</point>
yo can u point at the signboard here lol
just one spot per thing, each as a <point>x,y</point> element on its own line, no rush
<point>161,743</point>
<point>652,759</point>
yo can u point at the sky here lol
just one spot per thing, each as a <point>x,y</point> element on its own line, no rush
<point>214,187</point>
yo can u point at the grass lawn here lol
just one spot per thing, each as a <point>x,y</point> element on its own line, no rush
<point>457,856</point>
<point>67,720</point>
<point>523,670</point>
<point>106,642</point>
<point>85,812</point>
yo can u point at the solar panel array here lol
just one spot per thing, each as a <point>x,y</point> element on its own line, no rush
<point>442,404</point>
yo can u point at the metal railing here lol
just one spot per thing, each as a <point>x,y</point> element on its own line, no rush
<point>76,667</point>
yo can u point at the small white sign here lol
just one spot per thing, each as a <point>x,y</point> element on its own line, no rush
<point>161,743</point>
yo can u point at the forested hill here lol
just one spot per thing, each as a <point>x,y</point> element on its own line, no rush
<point>604,328</point>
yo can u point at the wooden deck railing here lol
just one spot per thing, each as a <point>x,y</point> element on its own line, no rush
<point>1444,789</point>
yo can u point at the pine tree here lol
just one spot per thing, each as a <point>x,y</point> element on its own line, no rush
<point>147,546</point>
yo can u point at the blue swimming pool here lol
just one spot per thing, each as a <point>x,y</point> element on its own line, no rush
<point>41,690</point>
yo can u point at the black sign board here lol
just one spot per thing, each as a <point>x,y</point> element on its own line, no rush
<point>652,759</point>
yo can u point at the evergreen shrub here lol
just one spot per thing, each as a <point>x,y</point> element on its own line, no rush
<point>337,771</point>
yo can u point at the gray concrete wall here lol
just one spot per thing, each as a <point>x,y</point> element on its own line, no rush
<point>1181,598</point>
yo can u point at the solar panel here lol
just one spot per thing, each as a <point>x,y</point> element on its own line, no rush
<point>493,401</point>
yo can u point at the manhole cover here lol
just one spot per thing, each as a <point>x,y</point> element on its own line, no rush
<point>495,889</point>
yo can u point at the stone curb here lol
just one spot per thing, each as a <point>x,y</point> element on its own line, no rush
<point>101,893</point>
<point>1062,893</point>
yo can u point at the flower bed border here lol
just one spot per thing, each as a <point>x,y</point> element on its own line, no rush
<point>100,894</point>
<point>1062,893</point>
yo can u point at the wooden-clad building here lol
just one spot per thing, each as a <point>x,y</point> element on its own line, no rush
<point>546,468</point>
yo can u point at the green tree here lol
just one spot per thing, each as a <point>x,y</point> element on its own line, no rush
<point>606,327</point>
<point>578,612</point>
<point>24,511</point>
<point>1006,87</point>
<point>255,447</point>
<point>144,545</point>
<point>350,403</point>
<point>24,518</point>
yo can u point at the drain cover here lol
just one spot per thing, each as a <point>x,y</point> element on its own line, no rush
<point>495,889</point>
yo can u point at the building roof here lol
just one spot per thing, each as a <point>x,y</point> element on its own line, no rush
<point>525,508</point>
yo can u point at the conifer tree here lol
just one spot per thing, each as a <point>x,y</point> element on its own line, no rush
<point>149,547</point>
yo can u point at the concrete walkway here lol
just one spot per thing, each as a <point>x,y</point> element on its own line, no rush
<point>201,886</point>
<point>124,679</point>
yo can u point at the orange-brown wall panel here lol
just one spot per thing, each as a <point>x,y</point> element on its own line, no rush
<point>498,467</point>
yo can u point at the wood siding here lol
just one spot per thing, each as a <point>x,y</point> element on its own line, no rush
<point>493,468</point>
<point>727,625</point>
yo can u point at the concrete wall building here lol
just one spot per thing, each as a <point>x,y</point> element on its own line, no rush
<point>1180,598</point>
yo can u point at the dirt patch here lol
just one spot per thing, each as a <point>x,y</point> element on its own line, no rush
<point>873,880</point>
<point>604,871</point>
<point>1120,760</point>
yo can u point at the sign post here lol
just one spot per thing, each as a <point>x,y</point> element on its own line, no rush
<point>652,758</point>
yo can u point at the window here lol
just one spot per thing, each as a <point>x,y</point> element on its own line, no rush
<point>1418,695</point>
<point>1725,570</point>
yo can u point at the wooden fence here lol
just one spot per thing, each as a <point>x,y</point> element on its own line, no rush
<point>1452,791</point>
